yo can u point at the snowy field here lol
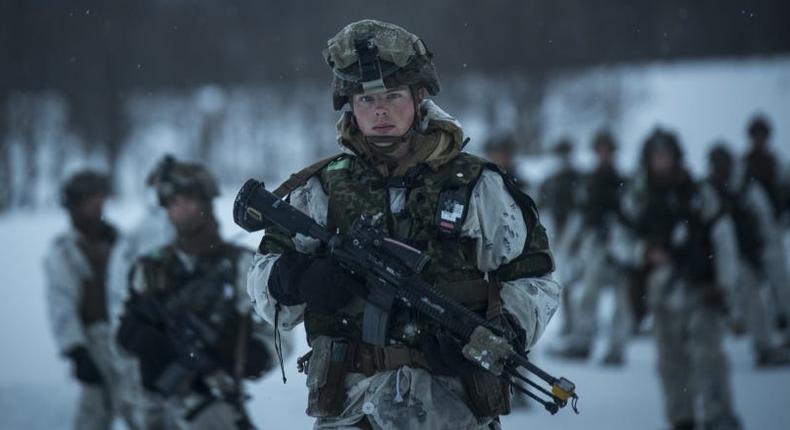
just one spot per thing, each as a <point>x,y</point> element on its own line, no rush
<point>36,391</point>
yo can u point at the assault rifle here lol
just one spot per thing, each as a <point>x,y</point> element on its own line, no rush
<point>392,273</point>
<point>192,316</point>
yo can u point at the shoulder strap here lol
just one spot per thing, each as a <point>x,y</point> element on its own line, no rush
<point>300,178</point>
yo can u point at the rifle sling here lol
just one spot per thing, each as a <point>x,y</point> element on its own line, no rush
<point>300,178</point>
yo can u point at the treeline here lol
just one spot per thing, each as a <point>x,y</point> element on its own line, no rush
<point>78,65</point>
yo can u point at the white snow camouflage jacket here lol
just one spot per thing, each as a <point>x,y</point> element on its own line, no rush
<point>532,301</point>
<point>66,268</point>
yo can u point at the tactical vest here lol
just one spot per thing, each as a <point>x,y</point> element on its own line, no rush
<point>166,277</point>
<point>434,209</point>
<point>436,205</point>
<point>662,211</point>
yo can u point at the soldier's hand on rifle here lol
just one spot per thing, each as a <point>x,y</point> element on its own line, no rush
<point>149,343</point>
<point>319,282</point>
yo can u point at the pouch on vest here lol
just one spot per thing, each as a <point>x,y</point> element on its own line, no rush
<point>489,396</point>
<point>326,374</point>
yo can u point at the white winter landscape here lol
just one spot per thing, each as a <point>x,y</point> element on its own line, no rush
<point>702,101</point>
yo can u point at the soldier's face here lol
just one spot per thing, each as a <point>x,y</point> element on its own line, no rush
<point>662,163</point>
<point>390,113</point>
<point>759,141</point>
<point>92,207</point>
<point>186,212</point>
<point>605,154</point>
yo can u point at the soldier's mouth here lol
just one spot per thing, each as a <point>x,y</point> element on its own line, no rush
<point>383,128</point>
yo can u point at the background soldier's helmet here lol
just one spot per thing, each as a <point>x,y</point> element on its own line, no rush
<point>661,139</point>
<point>563,148</point>
<point>371,56</point>
<point>604,138</point>
<point>84,184</point>
<point>171,177</point>
<point>759,127</point>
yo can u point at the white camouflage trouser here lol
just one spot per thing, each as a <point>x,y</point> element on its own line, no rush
<point>98,404</point>
<point>600,273</point>
<point>409,398</point>
<point>752,306</point>
<point>776,265</point>
<point>691,363</point>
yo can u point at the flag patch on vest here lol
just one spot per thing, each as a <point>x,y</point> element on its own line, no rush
<point>451,210</point>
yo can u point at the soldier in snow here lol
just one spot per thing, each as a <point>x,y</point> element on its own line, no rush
<point>403,158</point>
<point>187,319</point>
<point>75,268</point>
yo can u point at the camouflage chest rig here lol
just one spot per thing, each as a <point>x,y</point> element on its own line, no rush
<point>208,292</point>
<point>434,210</point>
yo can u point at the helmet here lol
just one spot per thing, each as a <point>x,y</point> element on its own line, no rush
<point>661,139</point>
<point>84,184</point>
<point>719,153</point>
<point>171,177</point>
<point>759,127</point>
<point>604,138</point>
<point>371,56</point>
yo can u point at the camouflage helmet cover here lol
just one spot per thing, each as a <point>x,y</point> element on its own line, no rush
<point>370,56</point>
<point>171,177</point>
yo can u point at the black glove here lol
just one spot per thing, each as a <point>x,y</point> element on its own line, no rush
<point>318,282</point>
<point>146,341</point>
<point>84,367</point>
<point>444,356</point>
<point>258,359</point>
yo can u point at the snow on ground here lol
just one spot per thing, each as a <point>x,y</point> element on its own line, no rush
<point>36,391</point>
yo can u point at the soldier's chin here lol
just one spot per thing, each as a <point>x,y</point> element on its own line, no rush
<point>382,143</point>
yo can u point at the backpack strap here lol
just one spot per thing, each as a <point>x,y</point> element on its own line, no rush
<point>300,178</point>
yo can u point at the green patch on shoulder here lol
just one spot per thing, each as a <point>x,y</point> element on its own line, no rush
<point>340,164</point>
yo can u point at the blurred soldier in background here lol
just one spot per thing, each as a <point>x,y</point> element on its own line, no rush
<point>500,149</point>
<point>750,208</point>
<point>558,198</point>
<point>76,267</point>
<point>558,194</point>
<point>763,168</point>
<point>691,247</point>
<point>761,163</point>
<point>187,318</point>
<point>597,229</point>
<point>403,159</point>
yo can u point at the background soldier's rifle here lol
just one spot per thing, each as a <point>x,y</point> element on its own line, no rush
<point>193,316</point>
